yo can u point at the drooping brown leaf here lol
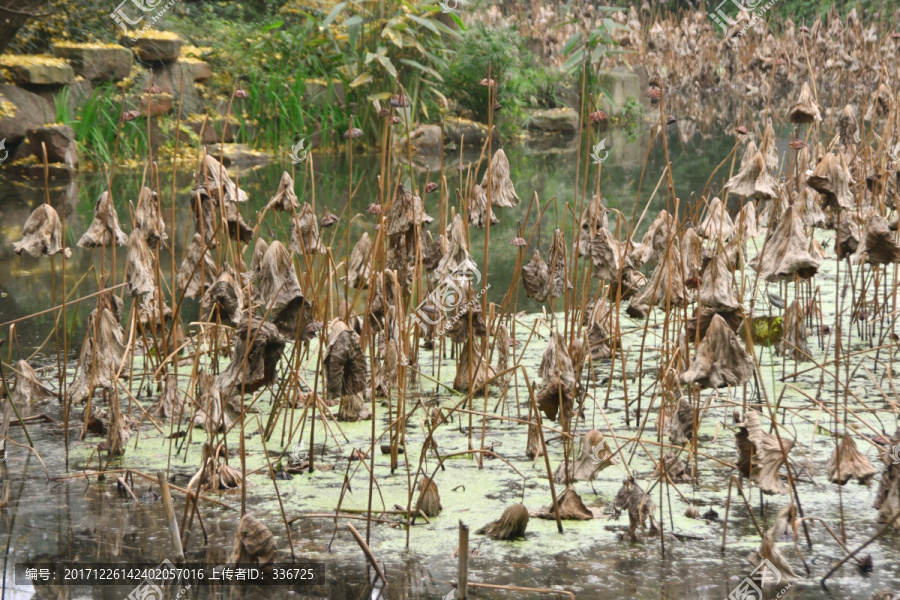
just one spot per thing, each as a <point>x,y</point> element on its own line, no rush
<point>305,232</point>
<point>832,179</point>
<point>503,193</point>
<point>148,218</point>
<point>718,224</point>
<point>794,334</point>
<point>360,267</point>
<point>224,299</point>
<point>805,110</point>
<point>104,229</point>
<point>721,358</point>
<point>847,463</point>
<point>169,403</point>
<point>197,271</point>
<point>536,278</point>
<point>878,246</point>
<point>277,291</point>
<point>478,208</point>
<point>284,199</point>
<point>253,543</point>
<point>571,508</point>
<point>345,365</point>
<point>786,251</point>
<point>42,234</point>
<point>753,180</point>
<point>257,350</point>
<point>29,386</point>
<point>767,456</point>
<point>139,267</point>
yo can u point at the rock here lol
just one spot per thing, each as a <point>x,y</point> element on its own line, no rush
<point>464,131</point>
<point>175,77</point>
<point>238,155</point>
<point>60,142</point>
<point>21,110</point>
<point>194,69</point>
<point>210,130</point>
<point>620,86</point>
<point>158,46</point>
<point>96,62</point>
<point>554,120</point>
<point>156,104</point>
<point>426,138</point>
<point>78,93</point>
<point>55,172</point>
<point>37,69</point>
<point>320,93</point>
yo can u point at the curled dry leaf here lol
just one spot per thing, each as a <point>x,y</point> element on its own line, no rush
<point>721,358</point>
<point>29,386</point>
<point>148,218</point>
<point>224,299</point>
<point>253,543</point>
<point>847,463</point>
<point>285,199</point>
<point>786,251</point>
<point>571,508</point>
<point>42,234</point>
<point>503,193</point>
<point>197,271</point>
<point>139,268</point>
<point>104,229</point>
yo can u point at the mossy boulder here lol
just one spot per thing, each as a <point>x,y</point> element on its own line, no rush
<point>36,69</point>
<point>96,62</point>
<point>562,121</point>
<point>60,143</point>
<point>22,110</point>
<point>466,132</point>
<point>158,47</point>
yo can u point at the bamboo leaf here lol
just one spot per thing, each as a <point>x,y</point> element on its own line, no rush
<point>361,80</point>
<point>337,10</point>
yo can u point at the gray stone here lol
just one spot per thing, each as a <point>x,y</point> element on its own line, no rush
<point>464,131</point>
<point>237,155</point>
<point>426,138</point>
<point>164,49</point>
<point>178,76</point>
<point>211,133</point>
<point>97,62</point>
<point>156,104</point>
<point>320,93</point>
<point>562,121</point>
<point>37,70</point>
<point>620,85</point>
<point>59,141</point>
<point>21,110</point>
<point>79,91</point>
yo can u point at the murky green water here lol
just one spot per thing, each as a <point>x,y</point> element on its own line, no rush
<point>81,518</point>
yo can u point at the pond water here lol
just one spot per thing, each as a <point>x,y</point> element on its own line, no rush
<point>55,513</point>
